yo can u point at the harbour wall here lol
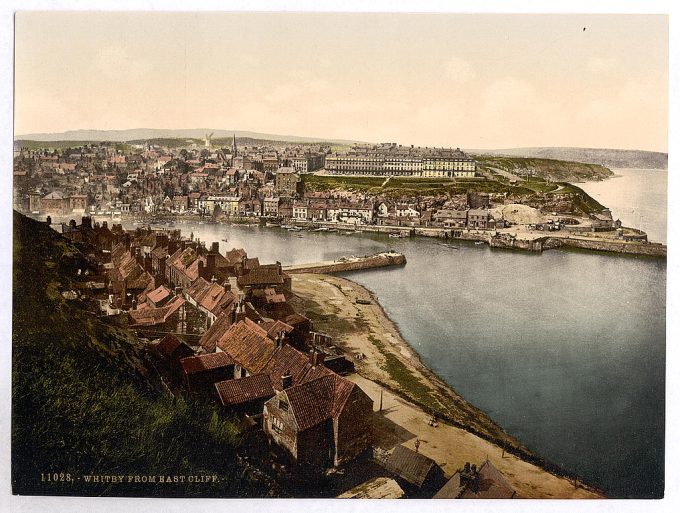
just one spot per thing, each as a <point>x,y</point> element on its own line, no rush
<point>351,264</point>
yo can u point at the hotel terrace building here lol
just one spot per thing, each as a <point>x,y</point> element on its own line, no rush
<point>390,159</point>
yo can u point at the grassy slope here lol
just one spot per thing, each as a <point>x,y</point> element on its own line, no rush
<point>81,402</point>
<point>398,187</point>
<point>559,170</point>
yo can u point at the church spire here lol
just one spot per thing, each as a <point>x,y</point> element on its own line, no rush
<point>233,147</point>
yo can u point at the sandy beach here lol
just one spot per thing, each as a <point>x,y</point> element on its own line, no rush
<point>411,394</point>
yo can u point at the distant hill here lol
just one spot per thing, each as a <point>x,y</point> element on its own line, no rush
<point>135,134</point>
<point>606,157</point>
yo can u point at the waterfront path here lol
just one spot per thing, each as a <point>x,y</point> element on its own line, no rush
<point>401,422</point>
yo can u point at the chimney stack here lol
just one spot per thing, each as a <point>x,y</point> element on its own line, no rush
<point>211,261</point>
<point>215,247</point>
<point>286,381</point>
<point>317,358</point>
<point>172,247</point>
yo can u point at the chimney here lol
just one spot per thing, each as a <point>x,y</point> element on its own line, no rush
<point>286,380</point>
<point>316,358</point>
<point>215,247</point>
<point>148,264</point>
<point>211,261</point>
<point>182,245</point>
<point>105,224</point>
<point>172,247</point>
<point>200,269</point>
<point>233,313</point>
<point>161,240</point>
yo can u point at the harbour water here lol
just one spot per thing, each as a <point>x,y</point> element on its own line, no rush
<point>637,197</point>
<point>565,349</point>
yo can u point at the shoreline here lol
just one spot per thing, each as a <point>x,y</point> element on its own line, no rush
<point>391,363</point>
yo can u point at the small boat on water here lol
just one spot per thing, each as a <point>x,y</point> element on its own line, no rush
<point>445,245</point>
<point>225,240</point>
<point>294,229</point>
<point>397,235</point>
<point>479,242</point>
<point>271,225</point>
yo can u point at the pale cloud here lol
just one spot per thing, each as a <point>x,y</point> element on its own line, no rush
<point>436,86</point>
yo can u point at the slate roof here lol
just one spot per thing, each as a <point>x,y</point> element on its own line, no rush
<point>409,465</point>
<point>491,484</point>
<point>205,362</point>
<point>243,390</point>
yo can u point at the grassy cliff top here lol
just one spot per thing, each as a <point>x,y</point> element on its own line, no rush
<point>85,401</point>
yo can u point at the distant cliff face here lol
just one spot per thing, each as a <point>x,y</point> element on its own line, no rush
<point>545,168</point>
<point>611,158</point>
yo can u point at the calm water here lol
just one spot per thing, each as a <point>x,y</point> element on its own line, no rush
<point>637,197</point>
<point>566,350</point>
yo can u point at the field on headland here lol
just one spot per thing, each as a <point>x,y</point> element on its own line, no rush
<point>416,392</point>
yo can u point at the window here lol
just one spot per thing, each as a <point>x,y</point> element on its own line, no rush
<point>283,405</point>
<point>277,425</point>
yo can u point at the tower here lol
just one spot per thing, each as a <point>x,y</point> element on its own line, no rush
<point>233,147</point>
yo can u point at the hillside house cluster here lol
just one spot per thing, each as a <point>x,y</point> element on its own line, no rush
<point>222,327</point>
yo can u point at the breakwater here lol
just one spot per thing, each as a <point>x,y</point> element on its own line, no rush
<point>349,264</point>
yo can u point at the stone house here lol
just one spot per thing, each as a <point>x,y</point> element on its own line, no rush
<point>320,423</point>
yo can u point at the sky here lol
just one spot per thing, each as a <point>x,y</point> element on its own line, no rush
<point>458,80</point>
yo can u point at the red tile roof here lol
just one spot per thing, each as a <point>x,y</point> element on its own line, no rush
<point>211,296</point>
<point>168,345</point>
<point>288,360</point>
<point>218,330</point>
<point>318,400</point>
<point>147,316</point>
<point>249,346</point>
<point>263,275</point>
<point>205,362</point>
<point>243,390</point>
<point>275,328</point>
<point>158,294</point>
